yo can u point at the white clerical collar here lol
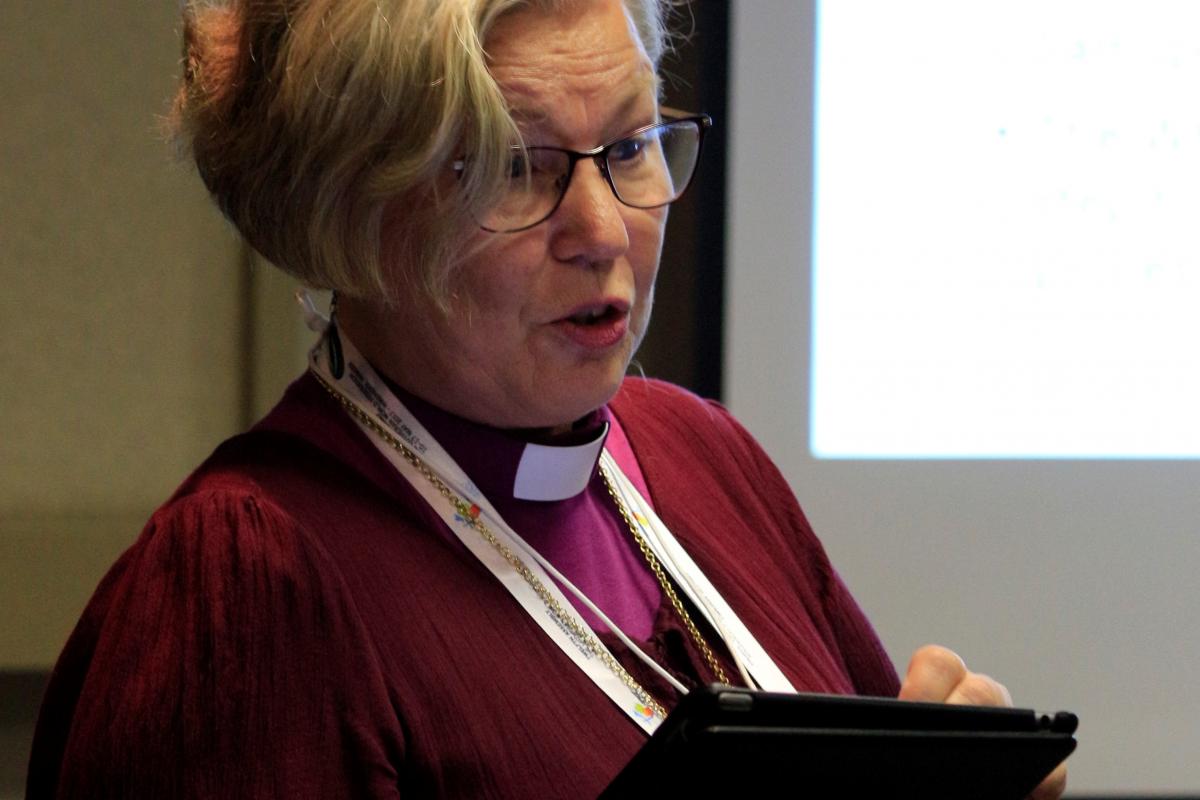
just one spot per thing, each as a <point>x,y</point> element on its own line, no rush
<point>547,473</point>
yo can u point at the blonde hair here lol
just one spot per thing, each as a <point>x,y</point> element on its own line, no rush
<point>308,118</point>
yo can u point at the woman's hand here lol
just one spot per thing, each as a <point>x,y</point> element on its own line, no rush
<point>938,675</point>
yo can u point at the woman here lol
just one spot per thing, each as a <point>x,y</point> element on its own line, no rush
<point>359,597</point>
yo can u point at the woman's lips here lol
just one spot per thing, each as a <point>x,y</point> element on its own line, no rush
<point>596,326</point>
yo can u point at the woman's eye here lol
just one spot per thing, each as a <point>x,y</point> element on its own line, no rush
<point>536,164</point>
<point>627,149</point>
<point>518,167</point>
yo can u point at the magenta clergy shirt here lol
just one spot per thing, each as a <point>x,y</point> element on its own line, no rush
<point>583,536</point>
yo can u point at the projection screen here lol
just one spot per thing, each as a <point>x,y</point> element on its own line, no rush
<point>963,315</point>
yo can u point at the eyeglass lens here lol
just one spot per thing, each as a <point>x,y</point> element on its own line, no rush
<point>647,170</point>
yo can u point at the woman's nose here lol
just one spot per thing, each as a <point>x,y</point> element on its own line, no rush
<point>589,224</point>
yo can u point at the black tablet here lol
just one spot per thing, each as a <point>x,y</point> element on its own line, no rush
<point>739,743</point>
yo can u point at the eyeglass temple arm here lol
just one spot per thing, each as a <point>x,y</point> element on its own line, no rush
<point>670,114</point>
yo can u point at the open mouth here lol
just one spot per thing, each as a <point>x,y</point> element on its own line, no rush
<point>597,327</point>
<point>596,316</point>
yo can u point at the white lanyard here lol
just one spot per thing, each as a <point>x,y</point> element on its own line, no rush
<point>361,386</point>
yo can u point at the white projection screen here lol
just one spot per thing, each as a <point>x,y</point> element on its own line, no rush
<point>963,315</point>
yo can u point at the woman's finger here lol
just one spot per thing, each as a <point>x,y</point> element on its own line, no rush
<point>938,675</point>
<point>979,690</point>
<point>1053,786</point>
<point>933,674</point>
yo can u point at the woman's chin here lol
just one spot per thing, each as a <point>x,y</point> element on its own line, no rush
<point>574,402</point>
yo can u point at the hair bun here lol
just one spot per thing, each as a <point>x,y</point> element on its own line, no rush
<point>211,36</point>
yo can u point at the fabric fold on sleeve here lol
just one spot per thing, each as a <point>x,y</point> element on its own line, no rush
<point>226,660</point>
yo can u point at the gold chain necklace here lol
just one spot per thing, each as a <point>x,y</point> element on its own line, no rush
<point>664,582</point>
<point>578,632</point>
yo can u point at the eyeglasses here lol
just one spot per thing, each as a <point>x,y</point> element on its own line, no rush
<point>648,168</point>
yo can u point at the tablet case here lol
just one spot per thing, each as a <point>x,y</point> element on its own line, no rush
<point>739,743</point>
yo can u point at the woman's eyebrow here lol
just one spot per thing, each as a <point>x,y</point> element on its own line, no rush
<point>619,119</point>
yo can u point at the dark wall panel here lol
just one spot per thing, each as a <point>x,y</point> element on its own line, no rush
<point>684,341</point>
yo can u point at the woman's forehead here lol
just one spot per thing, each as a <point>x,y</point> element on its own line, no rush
<point>584,60</point>
<point>635,96</point>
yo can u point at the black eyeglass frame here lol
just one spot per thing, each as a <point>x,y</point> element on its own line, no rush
<point>600,156</point>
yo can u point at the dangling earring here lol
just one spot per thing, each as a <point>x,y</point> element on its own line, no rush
<point>337,364</point>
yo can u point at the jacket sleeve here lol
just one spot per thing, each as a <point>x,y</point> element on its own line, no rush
<point>221,658</point>
<point>868,663</point>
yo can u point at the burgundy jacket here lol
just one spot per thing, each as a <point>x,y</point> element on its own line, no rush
<point>292,623</point>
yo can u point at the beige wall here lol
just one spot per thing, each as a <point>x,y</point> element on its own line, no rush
<point>124,304</point>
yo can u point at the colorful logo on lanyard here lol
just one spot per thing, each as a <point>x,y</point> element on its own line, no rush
<point>643,711</point>
<point>467,516</point>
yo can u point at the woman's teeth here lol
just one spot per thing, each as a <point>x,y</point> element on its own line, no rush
<point>589,317</point>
